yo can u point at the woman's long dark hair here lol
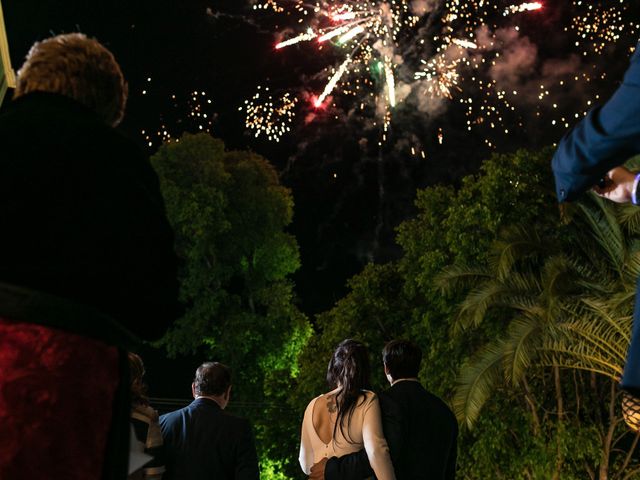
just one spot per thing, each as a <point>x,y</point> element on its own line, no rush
<point>349,368</point>
<point>136,374</point>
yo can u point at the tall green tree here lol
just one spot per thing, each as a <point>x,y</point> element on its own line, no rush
<point>230,214</point>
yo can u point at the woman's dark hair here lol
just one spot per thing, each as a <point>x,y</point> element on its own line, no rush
<point>136,374</point>
<point>349,368</point>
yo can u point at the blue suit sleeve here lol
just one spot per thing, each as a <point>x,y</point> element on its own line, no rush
<point>607,137</point>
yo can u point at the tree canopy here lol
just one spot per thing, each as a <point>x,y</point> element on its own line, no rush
<point>522,310</point>
<point>230,214</point>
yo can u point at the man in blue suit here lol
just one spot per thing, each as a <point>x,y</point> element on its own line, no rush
<point>202,442</point>
<point>590,157</point>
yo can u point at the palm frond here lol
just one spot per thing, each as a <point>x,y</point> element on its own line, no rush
<point>526,281</point>
<point>514,245</point>
<point>488,295</point>
<point>576,356</point>
<point>631,268</point>
<point>588,269</point>
<point>477,381</point>
<point>460,277</point>
<point>589,337</point>
<point>629,217</point>
<point>604,315</point>
<point>476,304</point>
<point>604,228</point>
<point>521,346</point>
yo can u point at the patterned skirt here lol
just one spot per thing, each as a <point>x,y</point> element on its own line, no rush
<point>56,402</point>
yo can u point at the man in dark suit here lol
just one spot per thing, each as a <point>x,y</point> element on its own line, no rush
<point>202,442</point>
<point>590,157</point>
<point>420,428</point>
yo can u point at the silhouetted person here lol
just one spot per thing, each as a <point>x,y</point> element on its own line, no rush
<point>347,419</point>
<point>85,249</point>
<point>204,442</point>
<point>144,421</point>
<point>420,428</point>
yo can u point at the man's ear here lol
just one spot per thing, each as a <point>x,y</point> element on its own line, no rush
<point>193,389</point>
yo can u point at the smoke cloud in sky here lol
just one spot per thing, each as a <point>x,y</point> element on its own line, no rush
<point>422,7</point>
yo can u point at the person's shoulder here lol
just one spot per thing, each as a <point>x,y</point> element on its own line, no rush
<point>170,418</point>
<point>128,150</point>
<point>635,58</point>
<point>234,425</point>
<point>322,395</point>
<point>416,390</point>
<point>165,417</point>
<point>234,419</point>
<point>440,407</point>
<point>436,399</point>
<point>370,395</point>
<point>144,413</point>
<point>313,401</point>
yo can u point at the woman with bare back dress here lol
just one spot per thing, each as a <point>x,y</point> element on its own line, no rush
<point>346,419</point>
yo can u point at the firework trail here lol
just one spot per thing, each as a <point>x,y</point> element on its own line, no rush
<point>332,83</point>
<point>525,7</point>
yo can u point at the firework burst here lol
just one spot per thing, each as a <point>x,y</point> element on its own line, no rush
<point>368,33</point>
<point>441,77</point>
<point>269,116</point>
<point>466,52</point>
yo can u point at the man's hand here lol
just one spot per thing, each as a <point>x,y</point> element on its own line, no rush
<point>618,185</point>
<point>317,470</point>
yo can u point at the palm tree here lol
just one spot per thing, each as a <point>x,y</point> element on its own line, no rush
<point>568,305</point>
<point>513,280</point>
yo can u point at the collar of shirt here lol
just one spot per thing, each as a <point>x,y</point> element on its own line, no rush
<point>405,380</point>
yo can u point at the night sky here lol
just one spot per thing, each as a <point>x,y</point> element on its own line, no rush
<point>351,189</point>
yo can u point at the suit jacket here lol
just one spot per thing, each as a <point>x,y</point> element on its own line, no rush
<point>607,137</point>
<point>82,216</point>
<point>203,442</point>
<point>421,432</point>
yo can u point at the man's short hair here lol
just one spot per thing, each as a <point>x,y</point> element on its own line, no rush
<point>402,359</point>
<point>77,67</point>
<point>212,378</point>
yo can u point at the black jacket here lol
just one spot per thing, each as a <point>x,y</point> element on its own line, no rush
<point>421,432</point>
<point>203,442</point>
<point>82,216</point>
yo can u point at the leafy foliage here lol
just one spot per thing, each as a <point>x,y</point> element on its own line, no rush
<point>566,306</point>
<point>229,213</point>
<point>523,315</point>
<point>503,297</point>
